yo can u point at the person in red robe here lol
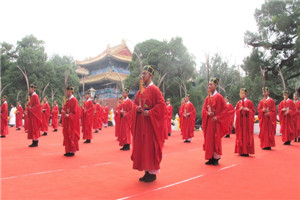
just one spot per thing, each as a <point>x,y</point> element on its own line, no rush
<point>4,117</point>
<point>19,116</point>
<point>267,121</point>
<point>245,111</point>
<point>297,118</point>
<point>105,115</point>
<point>214,123</point>
<point>188,120</point>
<point>124,136</point>
<point>169,118</point>
<point>147,113</point>
<point>97,116</point>
<point>165,131</point>
<point>231,112</point>
<point>88,118</point>
<point>62,116</point>
<point>71,129</point>
<point>117,117</point>
<point>180,113</point>
<point>34,116</point>
<point>26,118</point>
<point>45,116</point>
<point>55,112</point>
<point>286,111</point>
<point>100,116</point>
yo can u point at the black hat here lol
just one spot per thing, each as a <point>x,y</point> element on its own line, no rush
<point>285,92</point>
<point>4,97</point>
<point>215,81</point>
<point>244,90</point>
<point>33,86</point>
<point>265,89</point>
<point>149,68</point>
<point>88,92</point>
<point>70,87</point>
<point>126,90</point>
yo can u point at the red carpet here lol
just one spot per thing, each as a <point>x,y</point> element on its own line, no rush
<point>101,171</point>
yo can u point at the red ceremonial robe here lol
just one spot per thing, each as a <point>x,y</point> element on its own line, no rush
<point>124,136</point>
<point>267,123</point>
<point>34,117</point>
<point>244,126</point>
<point>45,116</point>
<point>214,130</point>
<point>188,123</point>
<point>101,117</point>
<point>181,116</point>
<point>117,120</point>
<point>297,119</point>
<point>19,117</point>
<point>97,120</point>
<point>147,130</point>
<point>287,126</point>
<point>71,129</point>
<point>26,119</point>
<point>170,114</point>
<point>105,115</point>
<point>4,119</point>
<point>55,111</point>
<point>231,112</point>
<point>88,119</point>
<point>165,131</point>
<point>62,116</point>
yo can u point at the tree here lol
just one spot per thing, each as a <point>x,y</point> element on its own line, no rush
<point>276,45</point>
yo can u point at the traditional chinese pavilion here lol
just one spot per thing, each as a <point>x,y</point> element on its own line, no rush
<point>105,71</point>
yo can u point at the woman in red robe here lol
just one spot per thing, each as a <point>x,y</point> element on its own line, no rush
<point>26,118</point>
<point>19,116</point>
<point>55,112</point>
<point>97,115</point>
<point>34,117</point>
<point>244,143</point>
<point>214,123</point>
<point>180,113</point>
<point>147,125</point>
<point>267,121</point>
<point>188,120</point>
<point>71,129</point>
<point>169,114</point>
<point>88,118</point>
<point>4,117</point>
<point>117,116</point>
<point>124,136</point>
<point>297,118</point>
<point>286,111</point>
<point>231,112</point>
<point>45,116</point>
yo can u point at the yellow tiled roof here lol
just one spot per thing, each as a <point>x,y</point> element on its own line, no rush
<point>113,76</point>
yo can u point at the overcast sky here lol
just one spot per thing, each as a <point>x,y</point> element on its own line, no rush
<point>84,28</point>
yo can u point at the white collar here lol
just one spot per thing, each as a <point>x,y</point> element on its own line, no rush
<point>71,97</point>
<point>268,98</point>
<point>126,99</point>
<point>214,93</point>
<point>188,102</point>
<point>150,84</point>
<point>88,99</point>
<point>244,99</point>
<point>33,93</point>
<point>4,102</point>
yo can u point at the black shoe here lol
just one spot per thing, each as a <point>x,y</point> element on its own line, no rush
<point>244,155</point>
<point>169,134</point>
<point>299,139</point>
<point>210,162</point>
<point>3,136</point>
<point>44,134</point>
<point>287,143</point>
<point>216,161</point>
<point>126,147</point>
<point>295,140</point>
<point>143,178</point>
<point>150,178</point>
<point>35,143</point>
<point>87,141</point>
<point>96,131</point>
<point>18,129</point>
<point>70,154</point>
<point>267,148</point>
<point>227,136</point>
<point>100,129</point>
<point>187,141</point>
<point>55,130</point>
